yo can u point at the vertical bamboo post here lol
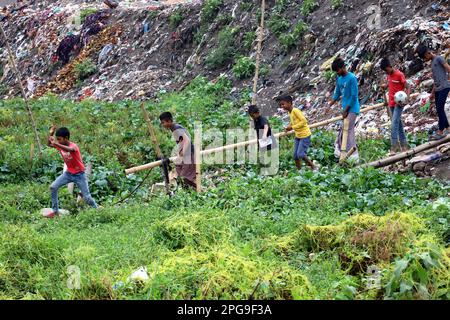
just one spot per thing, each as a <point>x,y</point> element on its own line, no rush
<point>158,151</point>
<point>19,80</point>
<point>344,140</point>
<point>198,156</point>
<point>258,52</point>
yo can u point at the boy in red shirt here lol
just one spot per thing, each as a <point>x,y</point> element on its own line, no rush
<point>396,82</point>
<point>75,169</point>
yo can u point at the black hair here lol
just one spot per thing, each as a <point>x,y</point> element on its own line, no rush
<point>337,64</point>
<point>385,63</point>
<point>422,50</point>
<point>166,116</point>
<point>285,98</point>
<point>63,132</point>
<point>253,109</point>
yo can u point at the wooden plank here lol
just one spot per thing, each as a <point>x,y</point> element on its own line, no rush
<point>399,157</point>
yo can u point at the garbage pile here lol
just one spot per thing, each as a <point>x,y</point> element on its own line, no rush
<point>363,58</point>
<point>136,53</point>
<point>45,37</point>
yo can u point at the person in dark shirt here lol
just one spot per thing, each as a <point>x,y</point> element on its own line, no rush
<point>262,127</point>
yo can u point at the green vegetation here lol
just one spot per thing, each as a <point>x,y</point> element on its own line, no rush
<point>290,40</point>
<point>308,7</point>
<point>244,68</point>
<point>176,18</point>
<point>295,235</point>
<point>245,5</point>
<point>210,10</point>
<point>225,51</point>
<point>249,39</point>
<point>224,19</point>
<point>84,13</point>
<point>330,75</point>
<point>278,24</point>
<point>336,4</point>
<point>85,69</point>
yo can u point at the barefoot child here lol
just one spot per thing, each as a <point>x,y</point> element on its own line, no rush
<point>299,124</point>
<point>185,165</point>
<point>75,169</point>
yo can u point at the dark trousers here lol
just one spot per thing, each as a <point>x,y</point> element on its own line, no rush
<point>441,99</point>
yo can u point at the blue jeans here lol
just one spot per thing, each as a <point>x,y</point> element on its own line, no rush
<point>440,100</point>
<point>301,148</point>
<point>398,136</point>
<point>80,180</point>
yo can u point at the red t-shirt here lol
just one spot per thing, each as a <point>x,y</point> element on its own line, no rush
<point>73,159</point>
<point>397,82</point>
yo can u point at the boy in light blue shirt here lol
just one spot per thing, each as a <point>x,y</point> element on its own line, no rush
<point>347,91</point>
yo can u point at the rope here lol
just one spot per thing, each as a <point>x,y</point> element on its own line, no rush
<point>135,189</point>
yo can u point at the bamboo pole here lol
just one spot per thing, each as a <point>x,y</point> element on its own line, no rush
<point>398,157</point>
<point>258,52</point>
<point>198,156</point>
<point>19,80</point>
<point>158,151</point>
<point>254,141</point>
<point>344,140</point>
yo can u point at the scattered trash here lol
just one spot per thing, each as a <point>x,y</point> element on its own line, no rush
<point>139,275</point>
<point>103,56</point>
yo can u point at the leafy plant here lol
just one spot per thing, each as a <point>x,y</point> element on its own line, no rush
<point>278,24</point>
<point>249,39</point>
<point>244,68</point>
<point>85,69</point>
<point>225,51</point>
<point>176,18</point>
<point>291,39</point>
<point>210,10</point>
<point>308,6</point>
<point>421,274</point>
<point>329,75</point>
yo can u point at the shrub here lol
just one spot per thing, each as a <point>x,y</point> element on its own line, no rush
<point>278,24</point>
<point>308,6</point>
<point>249,39</point>
<point>85,69</point>
<point>244,68</point>
<point>210,10</point>
<point>176,18</point>
<point>291,39</point>
<point>225,51</point>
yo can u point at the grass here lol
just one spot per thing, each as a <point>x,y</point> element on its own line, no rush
<point>296,235</point>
